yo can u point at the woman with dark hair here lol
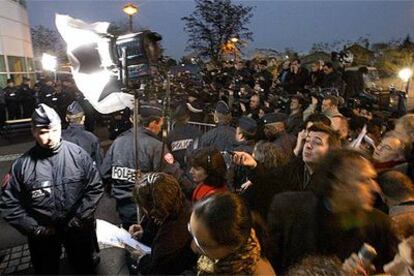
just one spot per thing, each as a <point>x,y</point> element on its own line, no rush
<point>224,235</point>
<point>208,171</point>
<point>160,197</point>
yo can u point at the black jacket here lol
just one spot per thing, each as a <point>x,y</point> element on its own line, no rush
<point>300,224</point>
<point>87,140</point>
<point>11,94</point>
<point>180,138</point>
<point>222,137</point>
<point>296,82</point>
<point>171,248</point>
<point>332,80</point>
<point>45,187</point>
<point>269,182</point>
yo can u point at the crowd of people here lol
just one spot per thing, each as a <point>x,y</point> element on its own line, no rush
<point>286,182</point>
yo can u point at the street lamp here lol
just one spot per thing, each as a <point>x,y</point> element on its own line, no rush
<point>130,9</point>
<point>405,75</point>
<point>234,41</point>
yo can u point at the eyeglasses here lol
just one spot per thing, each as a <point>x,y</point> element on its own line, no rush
<point>195,240</point>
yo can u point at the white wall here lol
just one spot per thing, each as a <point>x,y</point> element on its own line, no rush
<point>15,37</point>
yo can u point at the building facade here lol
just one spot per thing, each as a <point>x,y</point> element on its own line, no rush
<point>16,53</point>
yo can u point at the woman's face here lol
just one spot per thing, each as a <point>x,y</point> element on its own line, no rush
<point>199,174</point>
<point>203,243</point>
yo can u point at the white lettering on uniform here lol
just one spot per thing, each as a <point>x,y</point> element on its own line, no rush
<point>181,144</point>
<point>123,173</point>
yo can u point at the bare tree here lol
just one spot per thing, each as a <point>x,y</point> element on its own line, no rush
<point>45,40</point>
<point>213,23</point>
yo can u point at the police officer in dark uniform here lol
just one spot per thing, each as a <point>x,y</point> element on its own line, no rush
<point>50,195</point>
<point>246,139</point>
<point>119,165</point>
<point>47,93</point>
<point>77,134</point>
<point>2,107</point>
<point>27,98</point>
<point>223,136</point>
<point>12,100</point>
<point>246,134</point>
<point>183,135</point>
<point>275,132</point>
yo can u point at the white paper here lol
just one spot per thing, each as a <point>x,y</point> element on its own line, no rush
<point>111,234</point>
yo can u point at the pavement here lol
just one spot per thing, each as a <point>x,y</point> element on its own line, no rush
<point>14,253</point>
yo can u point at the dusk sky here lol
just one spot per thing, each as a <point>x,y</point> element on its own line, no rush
<point>275,24</point>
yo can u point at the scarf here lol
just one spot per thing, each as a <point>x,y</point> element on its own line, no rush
<point>242,262</point>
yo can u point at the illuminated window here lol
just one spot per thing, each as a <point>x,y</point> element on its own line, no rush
<point>16,64</point>
<point>3,80</point>
<point>2,64</point>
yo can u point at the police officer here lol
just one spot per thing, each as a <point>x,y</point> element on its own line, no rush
<point>77,134</point>
<point>27,98</point>
<point>47,92</point>
<point>2,107</point>
<point>12,100</point>
<point>182,135</point>
<point>275,132</point>
<point>246,139</point>
<point>50,195</point>
<point>246,134</point>
<point>223,136</point>
<point>119,165</point>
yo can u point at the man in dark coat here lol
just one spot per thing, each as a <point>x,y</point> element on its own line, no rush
<point>27,98</point>
<point>246,140</point>
<point>77,134</point>
<point>354,81</point>
<point>275,131</point>
<point>295,120</point>
<point>223,136</point>
<point>331,78</point>
<point>297,77</point>
<point>50,195</point>
<point>336,219</point>
<point>295,175</point>
<point>12,100</point>
<point>2,107</point>
<point>183,135</point>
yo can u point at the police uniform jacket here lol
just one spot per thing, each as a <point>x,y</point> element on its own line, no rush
<point>76,134</point>
<point>222,137</point>
<point>180,138</point>
<point>118,167</point>
<point>2,97</point>
<point>11,94</point>
<point>47,187</point>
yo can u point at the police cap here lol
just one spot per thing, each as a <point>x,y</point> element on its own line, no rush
<point>150,110</point>
<point>181,112</point>
<point>75,109</point>
<point>271,118</point>
<point>248,125</point>
<point>222,107</point>
<point>45,117</point>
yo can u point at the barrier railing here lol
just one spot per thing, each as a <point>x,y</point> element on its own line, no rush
<point>203,127</point>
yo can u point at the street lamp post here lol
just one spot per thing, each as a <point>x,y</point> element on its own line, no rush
<point>405,75</point>
<point>130,9</point>
<point>234,40</point>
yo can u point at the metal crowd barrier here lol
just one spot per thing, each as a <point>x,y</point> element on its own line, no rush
<point>12,127</point>
<point>203,127</point>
